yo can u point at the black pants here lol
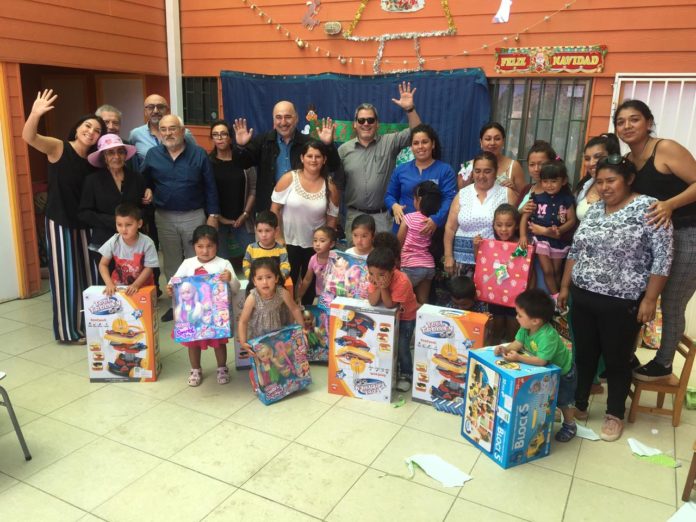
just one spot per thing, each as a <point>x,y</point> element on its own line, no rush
<point>605,326</point>
<point>299,261</point>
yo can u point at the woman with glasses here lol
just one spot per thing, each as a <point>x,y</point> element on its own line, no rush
<point>237,191</point>
<point>616,269</point>
<point>667,172</point>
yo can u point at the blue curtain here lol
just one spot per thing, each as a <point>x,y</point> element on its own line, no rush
<point>456,103</point>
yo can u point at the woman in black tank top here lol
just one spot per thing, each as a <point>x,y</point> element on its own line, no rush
<point>666,171</point>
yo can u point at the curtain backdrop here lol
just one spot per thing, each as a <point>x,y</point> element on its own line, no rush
<point>456,103</point>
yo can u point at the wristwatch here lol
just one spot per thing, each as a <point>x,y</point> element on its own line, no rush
<point>413,108</point>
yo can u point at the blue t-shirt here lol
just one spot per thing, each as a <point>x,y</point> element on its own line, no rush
<point>552,210</point>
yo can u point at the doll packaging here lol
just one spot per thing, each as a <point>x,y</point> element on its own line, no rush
<point>242,358</point>
<point>345,276</point>
<point>316,328</point>
<point>201,308</point>
<point>122,340</point>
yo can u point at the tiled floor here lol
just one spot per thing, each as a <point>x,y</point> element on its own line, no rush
<point>164,451</point>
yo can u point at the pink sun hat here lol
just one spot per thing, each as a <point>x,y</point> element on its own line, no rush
<point>106,142</point>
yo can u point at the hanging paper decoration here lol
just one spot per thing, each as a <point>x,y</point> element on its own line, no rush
<point>402,6</point>
<point>503,14</point>
<point>310,20</point>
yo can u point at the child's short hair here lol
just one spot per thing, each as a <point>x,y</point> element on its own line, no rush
<point>330,232</point>
<point>431,197</point>
<point>267,218</point>
<point>128,210</point>
<point>387,240</point>
<point>205,231</point>
<point>364,220</point>
<point>537,304</point>
<point>462,287</point>
<point>382,258</point>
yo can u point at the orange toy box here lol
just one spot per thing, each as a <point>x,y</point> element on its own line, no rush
<point>362,349</point>
<point>122,340</point>
<point>443,338</point>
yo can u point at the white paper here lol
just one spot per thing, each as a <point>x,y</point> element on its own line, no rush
<point>586,433</point>
<point>503,14</point>
<point>641,449</point>
<point>687,513</point>
<point>450,476</point>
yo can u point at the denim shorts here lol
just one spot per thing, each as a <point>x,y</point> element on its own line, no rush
<point>566,388</point>
<point>417,274</point>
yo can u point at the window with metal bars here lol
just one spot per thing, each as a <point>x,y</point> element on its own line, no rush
<point>550,109</point>
<point>200,100</point>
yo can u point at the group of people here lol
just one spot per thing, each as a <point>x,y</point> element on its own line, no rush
<point>606,248</point>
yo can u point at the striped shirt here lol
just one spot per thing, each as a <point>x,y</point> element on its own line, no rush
<point>415,253</point>
<point>256,251</point>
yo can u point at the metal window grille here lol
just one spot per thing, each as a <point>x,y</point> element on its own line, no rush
<point>200,100</point>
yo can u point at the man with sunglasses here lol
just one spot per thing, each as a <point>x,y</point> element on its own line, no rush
<point>369,159</point>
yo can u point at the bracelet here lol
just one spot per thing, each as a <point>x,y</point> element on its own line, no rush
<point>413,108</point>
<point>245,214</point>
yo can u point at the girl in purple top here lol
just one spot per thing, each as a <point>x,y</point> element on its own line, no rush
<point>416,260</point>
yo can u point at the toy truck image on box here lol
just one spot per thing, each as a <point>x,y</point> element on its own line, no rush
<point>509,407</point>
<point>443,338</point>
<point>362,349</point>
<point>122,340</point>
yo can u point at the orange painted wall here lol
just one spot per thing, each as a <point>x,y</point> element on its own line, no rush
<point>111,35</point>
<point>642,36</point>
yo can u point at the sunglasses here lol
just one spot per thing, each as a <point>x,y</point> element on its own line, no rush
<point>615,159</point>
<point>363,121</point>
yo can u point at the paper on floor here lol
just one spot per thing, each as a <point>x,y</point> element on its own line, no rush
<point>450,476</point>
<point>641,449</point>
<point>687,513</point>
<point>586,433</point>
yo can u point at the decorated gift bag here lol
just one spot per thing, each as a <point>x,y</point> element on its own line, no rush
<point>345,276</point>
<point>651,335</point>
<point>279,365</point>
<point>201,308</point>
<point>502,271</point>
<point>316,328</point>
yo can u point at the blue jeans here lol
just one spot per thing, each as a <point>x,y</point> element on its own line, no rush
<point>566,388</point>
<point>404,359</point>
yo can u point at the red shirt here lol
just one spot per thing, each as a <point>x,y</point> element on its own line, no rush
<point>401,291</point>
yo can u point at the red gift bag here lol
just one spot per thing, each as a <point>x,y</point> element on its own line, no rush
<point>502,271</point>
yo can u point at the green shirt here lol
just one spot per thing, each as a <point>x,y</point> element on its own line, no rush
<point>546,344</point>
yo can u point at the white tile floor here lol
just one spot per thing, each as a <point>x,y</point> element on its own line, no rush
<point>164,451</point>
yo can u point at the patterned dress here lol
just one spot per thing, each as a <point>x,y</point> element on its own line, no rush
<point>269,314</point>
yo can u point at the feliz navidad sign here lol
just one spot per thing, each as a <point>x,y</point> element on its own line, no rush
<point>582,59</point>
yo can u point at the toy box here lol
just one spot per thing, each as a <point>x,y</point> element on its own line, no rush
<point>443,338</point>
<point>362,349</point>
<point>201,308</point>
<point>345,276</point>
<point>509,407</point>
<point>502,271</point>
<point>279,366</point>
<point>242,358</point>
<point>122,340</point>
<point>316,328</point>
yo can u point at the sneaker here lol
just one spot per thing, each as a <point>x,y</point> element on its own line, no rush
<point>223,375</point>
<point>195,377</point>
<point>612,427</point>
<point>653,371</point>
<point>168,316</point>
<point>567,432</point>
<point>582,414</point>
<point>403,385</point>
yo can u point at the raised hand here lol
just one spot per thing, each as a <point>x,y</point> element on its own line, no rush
<point>44,102</point>
<point>405,100</point>
<point>242,135</point>
<point>326,131</point>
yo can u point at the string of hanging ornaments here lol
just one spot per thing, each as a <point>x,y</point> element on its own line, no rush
<point>409,66</point>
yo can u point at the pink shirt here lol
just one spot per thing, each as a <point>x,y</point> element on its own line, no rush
<point>415,252</point>
<point>318,268</point>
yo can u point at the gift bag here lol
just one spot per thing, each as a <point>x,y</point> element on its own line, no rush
<point>201,307</point>
<point>279,365</point>
<point>316,328</point>
<point>502,271</point>
<point>345,276</point>
<point>651,336</point>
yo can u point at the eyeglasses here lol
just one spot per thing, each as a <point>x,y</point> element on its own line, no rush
<point>169,130</point>
<point>220,135</point>
<point>159,106</point>
<point>363,121</point>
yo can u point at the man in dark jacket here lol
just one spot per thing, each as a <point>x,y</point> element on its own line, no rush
<point>277,151</point>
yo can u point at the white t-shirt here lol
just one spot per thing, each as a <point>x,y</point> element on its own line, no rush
<point>353,252</point>
<point>303,212</point>
<point>214,266</point>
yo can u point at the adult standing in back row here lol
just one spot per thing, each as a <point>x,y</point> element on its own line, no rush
<point>369,159</point>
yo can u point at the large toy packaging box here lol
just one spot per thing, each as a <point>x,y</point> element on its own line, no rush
<point>201,308</point>
<point>509,407</point>
<point>316,328</point>
<point>443,338</point>
<point>279,366</point>
<point>502,271</point>
<point>345,276</point>
<point>242,358</point>
<point>362,349</point>
<point>122,340</point>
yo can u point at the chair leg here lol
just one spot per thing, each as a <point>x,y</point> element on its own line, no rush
<point>660,400</point>
<point>678,399</point>
<point>15,423</point>
<point>634,404</point>
<point>690,478</point>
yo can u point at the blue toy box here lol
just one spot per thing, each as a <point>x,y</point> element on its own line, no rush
<point>279,365</point>
<point>509,407</point>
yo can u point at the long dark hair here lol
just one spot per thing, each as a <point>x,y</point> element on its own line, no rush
<point>610,143</point>
<point>430,132</point>
<point>213,153</point>
<point>72,133</point>
<point>492,125</point>
<point>324,172</point>
<point>638,105</point>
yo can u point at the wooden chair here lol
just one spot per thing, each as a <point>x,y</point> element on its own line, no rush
<point>7,404</point>
<point>672,384</point>
<point>690,478</point>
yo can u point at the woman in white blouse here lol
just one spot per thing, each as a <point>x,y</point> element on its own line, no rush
<point>304,199</point>
<point>471,214</point>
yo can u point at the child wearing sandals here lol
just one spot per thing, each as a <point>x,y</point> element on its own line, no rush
<point>206,261</point>
<point>543,345</point>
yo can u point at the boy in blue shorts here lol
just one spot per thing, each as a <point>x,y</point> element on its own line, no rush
<point>543,345</point>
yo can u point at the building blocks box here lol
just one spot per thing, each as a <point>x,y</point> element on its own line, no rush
<point>509,407</point>
<point>122,335</point>
<point>362,349</point>
<point>443,338</point>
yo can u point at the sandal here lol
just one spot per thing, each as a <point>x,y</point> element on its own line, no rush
<point>567,432</point>
<point>195,377</point>
<point>223,375</point>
